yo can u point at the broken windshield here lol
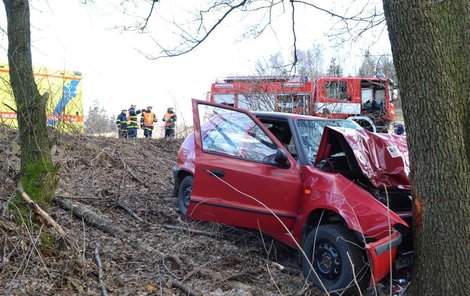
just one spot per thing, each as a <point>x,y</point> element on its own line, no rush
<point>311,131</point>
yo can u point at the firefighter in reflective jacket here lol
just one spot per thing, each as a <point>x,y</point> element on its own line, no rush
<point>132,123</point>
<point>146,121</point>
<point>169,118</point>
<point>121,123</point>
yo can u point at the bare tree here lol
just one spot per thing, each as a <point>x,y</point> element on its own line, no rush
<point>431,53</point>
<point>352,21</point>
<point>334,69</point>
<point>368,66</point>
<point>310,62</point>
<point>98,121</point>
<point>38,174</point>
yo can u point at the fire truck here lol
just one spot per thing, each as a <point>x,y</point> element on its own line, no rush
<point>64,107</point>
<point>365,100</point>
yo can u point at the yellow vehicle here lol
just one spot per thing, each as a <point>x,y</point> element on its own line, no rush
<point>64,107</point>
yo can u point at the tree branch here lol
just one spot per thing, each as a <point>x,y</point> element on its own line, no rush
<point>40,212</point>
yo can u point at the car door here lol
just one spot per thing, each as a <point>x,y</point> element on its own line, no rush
<point>237,181</point>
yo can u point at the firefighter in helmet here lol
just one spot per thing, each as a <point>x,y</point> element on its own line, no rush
<point>132,123</point>
<point>121,123</point>
<point>147,120</point>
<point>169,118</point>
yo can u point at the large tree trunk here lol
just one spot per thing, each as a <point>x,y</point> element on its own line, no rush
<point>431,50</point>
<point>38,175</point>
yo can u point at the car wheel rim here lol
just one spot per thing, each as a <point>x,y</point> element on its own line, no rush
<point>186,196</point>
<point>326,261</point>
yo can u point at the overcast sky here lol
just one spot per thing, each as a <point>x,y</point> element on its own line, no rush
<point>69,35</point>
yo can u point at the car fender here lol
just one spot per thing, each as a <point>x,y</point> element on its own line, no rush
<point>359,209</point>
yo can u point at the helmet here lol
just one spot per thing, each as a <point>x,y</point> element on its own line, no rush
<point>133,106</point>
<point>169,109</point>
<point>149,107</point>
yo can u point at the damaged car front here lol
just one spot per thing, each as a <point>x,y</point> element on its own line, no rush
<point>379,206</point>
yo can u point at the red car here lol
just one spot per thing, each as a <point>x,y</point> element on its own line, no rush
<point>336,192</point>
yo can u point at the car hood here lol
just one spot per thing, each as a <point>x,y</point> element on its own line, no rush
<point>375,158</point>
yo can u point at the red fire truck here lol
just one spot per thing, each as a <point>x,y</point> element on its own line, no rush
<point>366,100</point>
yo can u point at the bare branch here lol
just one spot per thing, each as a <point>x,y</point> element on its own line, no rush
<point>146,21</point>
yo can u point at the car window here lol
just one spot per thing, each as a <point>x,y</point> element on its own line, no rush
<point>234,133</point>
<point>280,129</point>
<point>311,132</point>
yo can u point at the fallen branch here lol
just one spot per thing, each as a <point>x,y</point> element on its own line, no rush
<point>89,216</point>
<point>107,226</point>
<point>101,283</point>
<point>129,211</point>
<point>183,287</point>
<point>37,209</point>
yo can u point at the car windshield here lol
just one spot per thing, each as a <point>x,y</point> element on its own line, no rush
<point>311,131</point>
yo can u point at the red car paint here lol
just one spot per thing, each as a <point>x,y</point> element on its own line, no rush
<point>385,162</point>
<point>231,190</point>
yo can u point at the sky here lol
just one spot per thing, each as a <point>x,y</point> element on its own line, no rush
<point>70,35</point>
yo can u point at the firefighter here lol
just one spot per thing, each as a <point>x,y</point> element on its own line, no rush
<point>146,121</point>
<point>169,118</point>
<point>121,123</point>
<point>132,123</point>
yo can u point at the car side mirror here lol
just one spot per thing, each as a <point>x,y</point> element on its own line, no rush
<point>281,159</point>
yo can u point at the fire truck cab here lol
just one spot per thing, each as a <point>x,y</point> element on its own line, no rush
<point>343,97</point>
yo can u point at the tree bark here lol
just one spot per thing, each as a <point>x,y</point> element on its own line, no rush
<point>38,175</point>
<point>430,45</point>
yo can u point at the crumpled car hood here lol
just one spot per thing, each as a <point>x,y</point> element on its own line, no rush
<point>380,158</point>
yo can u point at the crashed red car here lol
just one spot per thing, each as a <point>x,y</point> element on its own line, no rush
<point>326,187</point>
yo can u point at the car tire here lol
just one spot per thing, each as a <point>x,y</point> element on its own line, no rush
<point>331,262</point>
<point>184,194</point>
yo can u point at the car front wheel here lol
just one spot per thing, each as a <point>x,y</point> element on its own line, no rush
<point>184,194</point>
<point>333,251</point>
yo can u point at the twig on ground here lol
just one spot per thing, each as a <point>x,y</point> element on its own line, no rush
<point>129,211</point>
<point>195,270</point>
<point>241,274</point>
<point>101,283</point>
<point>183,288</point>
<point>40,212</point>
<point>191,231</point>
<point>283,269</point>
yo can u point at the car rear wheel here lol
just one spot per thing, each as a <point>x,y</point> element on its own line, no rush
<point>184,194</point>
<point>327,248</point>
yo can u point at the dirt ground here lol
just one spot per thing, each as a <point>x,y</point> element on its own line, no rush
<point>159,253</point>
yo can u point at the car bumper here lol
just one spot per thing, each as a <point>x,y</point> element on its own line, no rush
<point>382,254</point>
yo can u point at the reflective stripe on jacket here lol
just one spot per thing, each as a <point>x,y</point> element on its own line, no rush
<point>121,121</point>
<point>132,118</point>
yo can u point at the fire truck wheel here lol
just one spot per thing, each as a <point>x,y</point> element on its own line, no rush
<point>333,250</point>
<point>184,194</point>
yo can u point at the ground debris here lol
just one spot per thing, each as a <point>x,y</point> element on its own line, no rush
<point>107,175</point>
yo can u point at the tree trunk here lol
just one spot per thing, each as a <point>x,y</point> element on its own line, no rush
<point>38,175</point>
<point>430,45</point>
